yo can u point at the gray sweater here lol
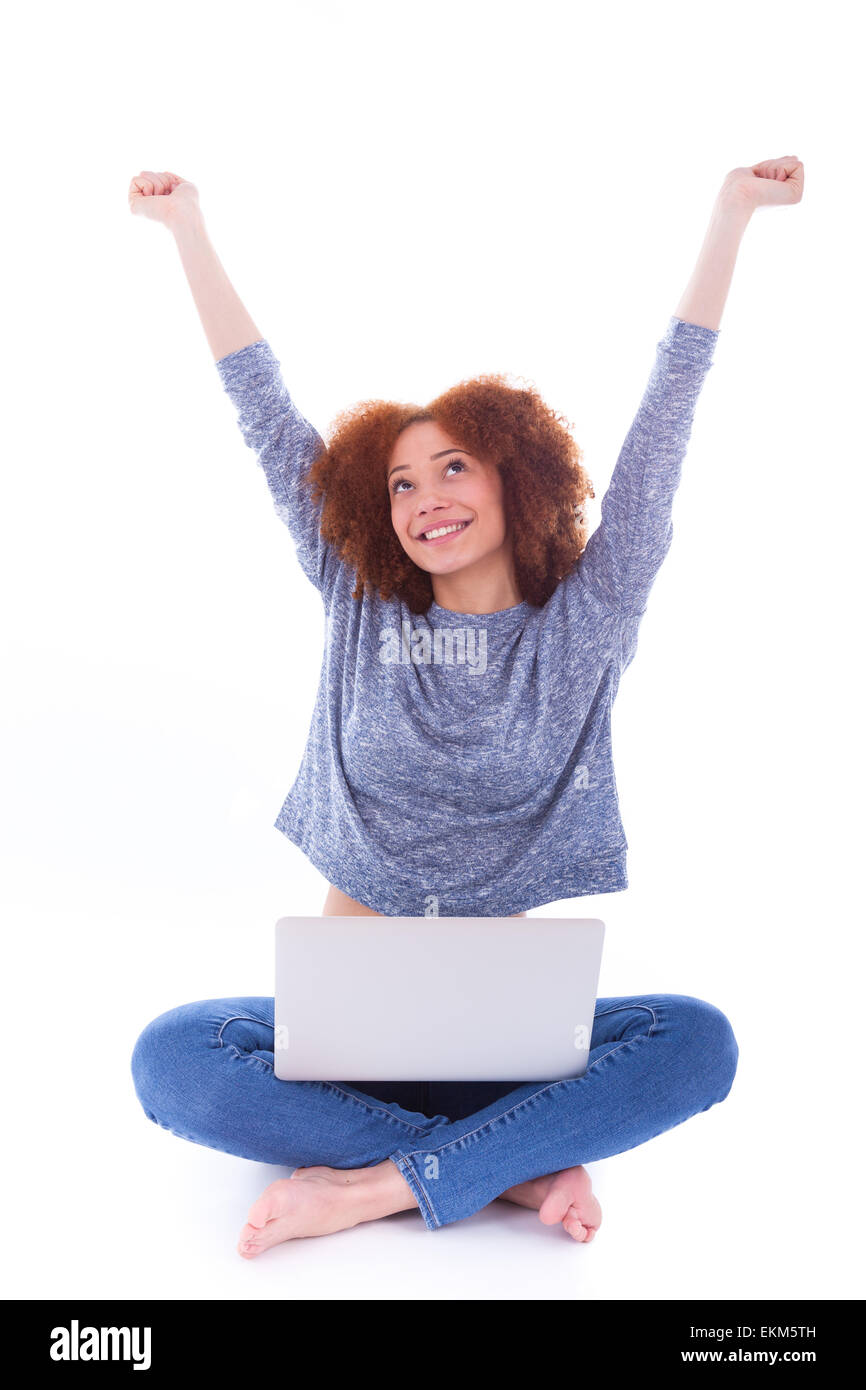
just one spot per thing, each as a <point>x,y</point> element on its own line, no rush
<point>460,764</point>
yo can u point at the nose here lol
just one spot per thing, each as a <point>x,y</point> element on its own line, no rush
<point>427,507</point>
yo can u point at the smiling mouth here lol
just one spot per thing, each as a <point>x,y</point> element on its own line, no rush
<point>443,533</point>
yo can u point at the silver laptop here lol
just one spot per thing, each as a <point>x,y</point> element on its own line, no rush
<point>435,998</point>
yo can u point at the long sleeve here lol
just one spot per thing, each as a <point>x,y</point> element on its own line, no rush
<point>285,444</point>
<point>623,555</point>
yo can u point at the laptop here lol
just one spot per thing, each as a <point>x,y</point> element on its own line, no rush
<point>435,998</point>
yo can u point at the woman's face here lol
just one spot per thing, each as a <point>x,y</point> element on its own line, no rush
<point>434,485</point>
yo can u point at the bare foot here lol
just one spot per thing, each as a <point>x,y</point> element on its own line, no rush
<point>319,1201</point>
<point>565,1197</point>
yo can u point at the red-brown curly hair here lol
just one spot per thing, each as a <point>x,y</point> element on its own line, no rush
<point>544,485</point>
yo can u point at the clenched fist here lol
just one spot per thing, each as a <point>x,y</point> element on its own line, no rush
<point>163,196</point>
<point>770,183</point>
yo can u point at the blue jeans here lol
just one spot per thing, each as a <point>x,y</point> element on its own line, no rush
<point>205,1071</point>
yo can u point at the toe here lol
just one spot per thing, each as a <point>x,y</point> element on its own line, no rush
<point>575,1227</point>
<point>260,1212</point>
<point>269,1206</point>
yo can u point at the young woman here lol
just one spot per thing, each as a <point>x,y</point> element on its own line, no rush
<point>459,758</point>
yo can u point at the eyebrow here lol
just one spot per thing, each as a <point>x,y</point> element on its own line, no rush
<point>440,455</point>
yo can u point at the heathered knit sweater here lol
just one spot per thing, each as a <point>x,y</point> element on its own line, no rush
<point>460,764</point>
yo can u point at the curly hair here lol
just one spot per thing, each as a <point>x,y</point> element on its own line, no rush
<point>544,485</point>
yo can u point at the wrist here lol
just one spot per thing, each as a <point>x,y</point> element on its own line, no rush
<point>733,204</point>
<point>186,224</point>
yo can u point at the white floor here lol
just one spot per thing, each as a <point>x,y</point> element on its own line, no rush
<point>754,1198</point>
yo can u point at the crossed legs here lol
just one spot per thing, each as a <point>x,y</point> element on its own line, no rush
<point>205,1072</point>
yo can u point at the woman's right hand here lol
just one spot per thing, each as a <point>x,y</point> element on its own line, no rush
<point>164,197</point>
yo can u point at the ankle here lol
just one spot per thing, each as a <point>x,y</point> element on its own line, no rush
<point>383,1189</point>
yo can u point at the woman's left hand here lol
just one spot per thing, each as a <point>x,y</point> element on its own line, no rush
<point>772,182</point>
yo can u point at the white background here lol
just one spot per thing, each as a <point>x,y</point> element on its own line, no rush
<point>405,195</point>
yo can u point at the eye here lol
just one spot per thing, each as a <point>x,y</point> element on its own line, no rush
<point>451,463</point>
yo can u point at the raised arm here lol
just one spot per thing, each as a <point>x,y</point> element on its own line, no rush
<point>173,201</point>
<point>284,441</point>
<point>623,555</point>
<point>774,182</point>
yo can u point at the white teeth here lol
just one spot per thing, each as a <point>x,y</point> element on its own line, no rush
<point>444,530</point>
